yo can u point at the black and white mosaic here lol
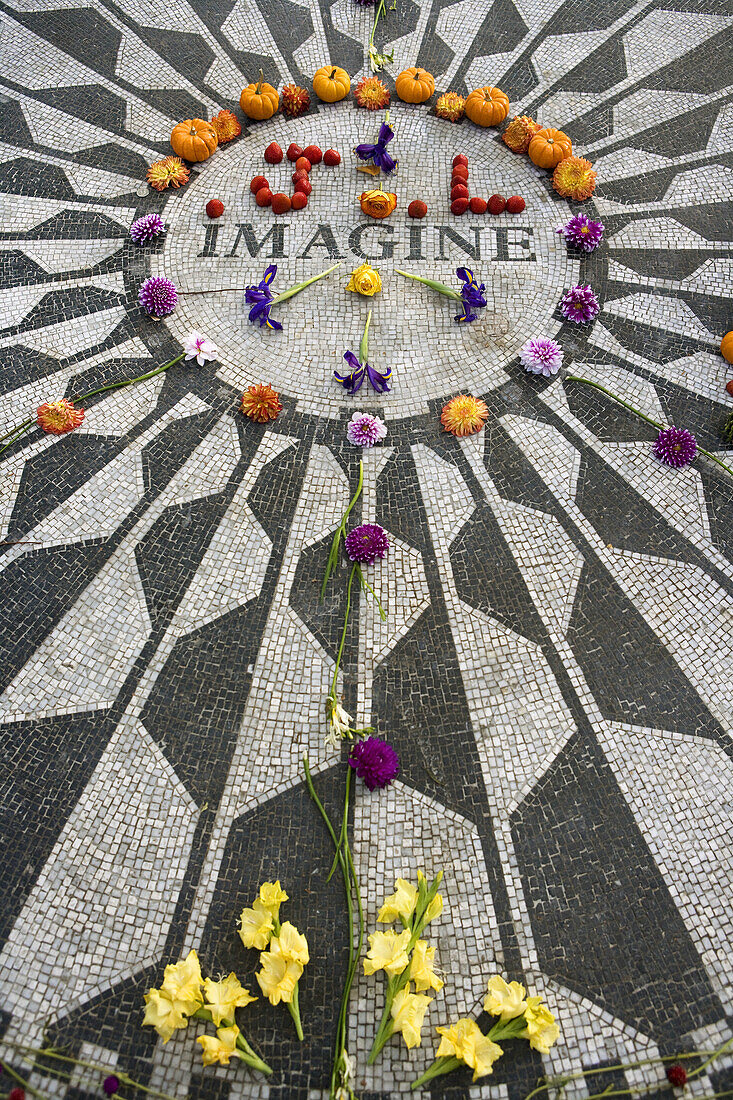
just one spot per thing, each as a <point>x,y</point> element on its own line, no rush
<point>555,669</point>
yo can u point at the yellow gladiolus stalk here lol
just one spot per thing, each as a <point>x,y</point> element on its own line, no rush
<point>400,905</point>
<point>220,1049</point>
<point>408,1012</point>
<point>281,965</point>
<point>256,925</point>
<point>421,968</point>
<point>505,1000</point>
<point>223,997</point>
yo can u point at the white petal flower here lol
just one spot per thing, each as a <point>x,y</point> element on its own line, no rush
<point>200,348</point>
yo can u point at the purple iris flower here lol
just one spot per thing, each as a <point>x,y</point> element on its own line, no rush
<point>353,380</point>
<point>378,153</point>
<point>471,293</point>
<point>262,296</point>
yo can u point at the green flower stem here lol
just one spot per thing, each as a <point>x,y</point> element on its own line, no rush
<point>442,288</point>
<point>248,1055</point>
<point>713,1056</point>
<point>48,1052</point>
<point>439,1067</point>
<point>366,587</point>
<point>283,297</point>
<point>18,428</point>
<point>20,1080</point>
<point>654,423</point>
<point>341,532</point>
<point>339,655</point>
<point>294,1010</point>
<point>364,345</point>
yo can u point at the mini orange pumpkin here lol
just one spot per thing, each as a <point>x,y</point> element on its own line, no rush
<point>260,100</point>
<point>548,147</point>
<point>378,203</point>
<point>487,106</point>
<point>726,347</point>
<point>194,139</point>
<point>414,85</point>
<point>331,83</point>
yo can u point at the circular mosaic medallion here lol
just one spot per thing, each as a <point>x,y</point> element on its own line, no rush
<point>523,263</point>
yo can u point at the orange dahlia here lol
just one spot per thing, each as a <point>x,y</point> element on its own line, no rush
<point>519,133</point>
<point>226,126</point>
<point>371,93</point>
<point>464,415</point>
<point>295,100</point>
<point>574,178</point>
<point>59,416</point>
<point>261,403</point>
<point>170,172</point>
<point>450,106</point>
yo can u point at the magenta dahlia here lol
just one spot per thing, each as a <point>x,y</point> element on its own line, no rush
<point>675,446</point>
<point>579,304</point>
<point>580,232</point>
<point>366,543</point>
<point>364,430</point>
<point>374,761</point>
<point>541,357</point>
<point>158,296</point>
<point>147,228</point>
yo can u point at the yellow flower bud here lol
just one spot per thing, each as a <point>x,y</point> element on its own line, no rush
<point>365,280</point>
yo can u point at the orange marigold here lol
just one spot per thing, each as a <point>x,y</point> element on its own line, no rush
<point>574,178</point>
<point>261,403</point>
<point>464,415</point>
<point>371,93</point>
<point>226,126</point>
<point>59,416</point>
<point>170,172</point>
<point>519,133</point>
<point>450,106</point>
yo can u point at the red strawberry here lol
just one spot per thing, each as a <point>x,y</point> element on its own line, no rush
<point>294,151</point>
<point>417,209</point>
<point>332,158</point>
<point>515,204</point>
<point>299,200</point>
<point>280,203</point>
<point>313,153</point>
<point>16,1094</point>
<point>677,1075</point>
<point>214,208</point>
<point>460,158</point>
<point>477,205</point>
<point>273,153</point>
<point>304,186</point>
<point>461,171</point>
<point>257,183</point>
<point>263,196</point>
<point>459,206</point>
<point>496,204</point>
<point>302,164</point>
<point>729,387</point>
<point>460,191</point>
<point>299,176</point>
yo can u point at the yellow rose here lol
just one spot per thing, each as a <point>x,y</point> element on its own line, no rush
<point>400,905</point>
<point>162,1014</point>
<point>506,1001</point>
<point>465,1040</point>
<point>365,280</point>
<point>224,996</point>
<point>388,952</point>
<point>272,896</point>
<point>278,977</point>
<point>182,984</point>
<point>256,926</point>
<point>421,968</point>
<point>220,1049</point>
<point>291,944</point>
<point>408,1012</point>
<point>542,1031</point>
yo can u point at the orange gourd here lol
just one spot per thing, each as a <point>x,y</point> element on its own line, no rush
<point>726,347</point>
<point>414,85</point>
<point>548,147</point>
<point>331,83</point>
<point>487,106</point>
<point>194,139</point>
<point>260,100</point>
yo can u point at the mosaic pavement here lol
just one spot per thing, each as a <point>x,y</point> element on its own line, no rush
<point>555,669</point>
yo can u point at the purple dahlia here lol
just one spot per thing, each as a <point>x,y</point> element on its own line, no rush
<point>147,228</point>
<point>675,446</point>
<point>579,304</point>
<point>580,232</point>
<point>541,357</point>
<point>364,430</point>
<point>366,543</point>
<point>158,296</point>
<point>374,761</point>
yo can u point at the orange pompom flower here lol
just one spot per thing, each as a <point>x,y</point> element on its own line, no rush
<point>261,403</point>
<point>295,100</point>
<point>226,126</point>
<point>170,172</point>
<point>464,415</point>
<point>450,106</point>
<point>371,93</point>
<point>59,416</point>
<point>574,179</point>
<point>520,132</point>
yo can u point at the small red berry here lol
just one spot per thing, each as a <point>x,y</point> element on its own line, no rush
<point>460,158</point>
<point>417,209</point>
<point>304,186</point>
<point>257,183</point>
<point>263,196</point>
<point>280,203</point>
<point>515,204</point>
<point>460,172</point>
<point>214,208</point>
<point>273,153</point>
<point>294,151</point>
<point>313,153</point>
<point>332,158</point>
<point>301,175</point>
<point>459,191</point>
<point>459,206</point>
<point>477,205</point>
<point>497,204</point>
<point>16,1094</point>
<point>299,200</point>
<point>677,1075</point>
<point>302,164</point>
<point>729,387</point>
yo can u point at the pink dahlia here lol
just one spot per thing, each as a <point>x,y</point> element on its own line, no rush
<point>366,543</point>
<point>147,228</point>
<point>364,430</point>
<point>541,357</point>
<point>158,296</point>
<point>579,304</point>
<point>374,761</point>
<point>675,446</point>
<point>583,233</point>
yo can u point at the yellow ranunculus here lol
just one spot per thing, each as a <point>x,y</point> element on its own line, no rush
<point>182,984</point>
<point>421,968</point>
<point>291,944</point>
<point>272,896</point>
<point>224,996</point>
<point>506,1001</point>
<point>221,1048</point>
<point>542,1031</point>
<point>408,1012</point>
<point>401,904</point>
<point>365,280</point>
<point>162,1014</point>
<point>256,926</point>
<point>278,977</point>
<point>465,1040</point>
<point>388,952</point>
